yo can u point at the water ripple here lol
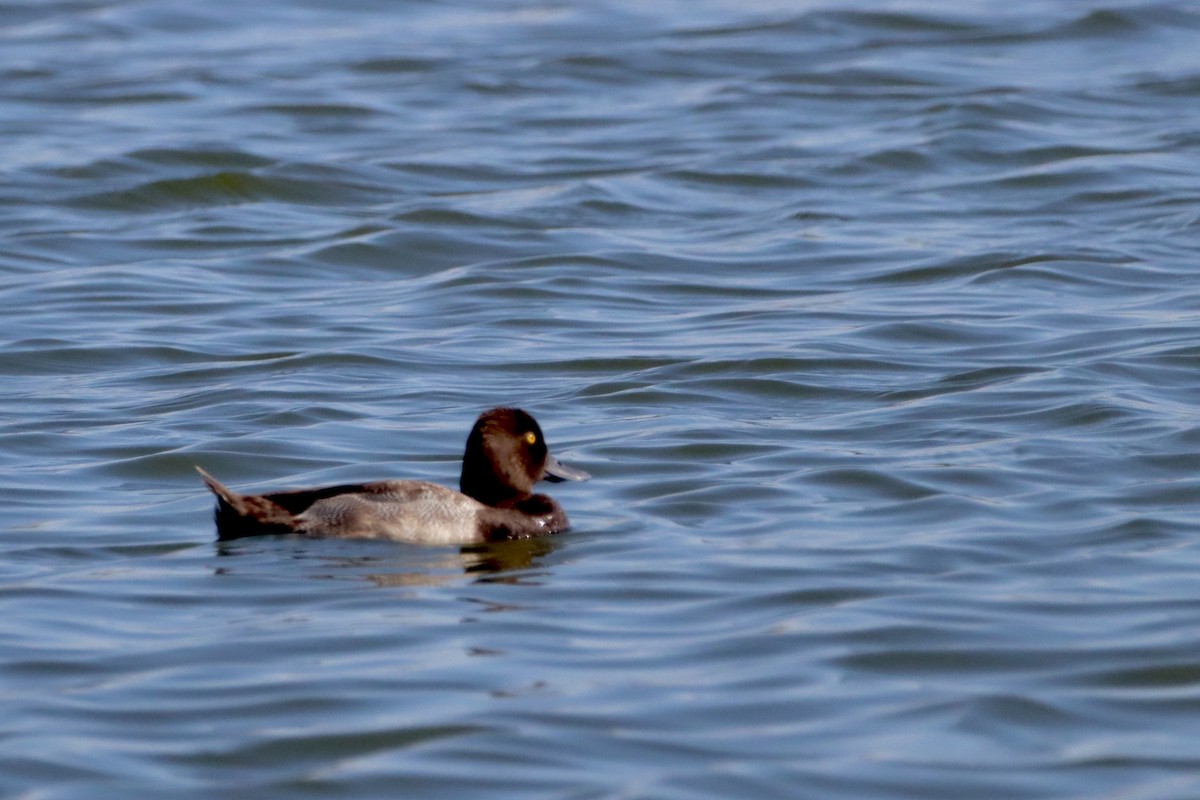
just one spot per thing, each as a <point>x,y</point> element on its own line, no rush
<point>877,334</point>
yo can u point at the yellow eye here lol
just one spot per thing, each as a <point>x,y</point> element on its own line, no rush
<point>531,438</point>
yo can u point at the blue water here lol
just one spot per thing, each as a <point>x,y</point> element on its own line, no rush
<point>877,324</point>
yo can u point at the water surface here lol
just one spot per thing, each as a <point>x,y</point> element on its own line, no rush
<point>876,323</point>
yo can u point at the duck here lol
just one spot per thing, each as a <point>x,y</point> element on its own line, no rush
<point>506,454</point>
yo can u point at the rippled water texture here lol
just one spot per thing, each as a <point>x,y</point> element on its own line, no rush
<point>876,323</point>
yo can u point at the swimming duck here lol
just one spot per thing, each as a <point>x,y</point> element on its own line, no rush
<point>505,456</point>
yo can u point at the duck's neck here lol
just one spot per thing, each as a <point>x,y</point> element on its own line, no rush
<point>493,485</point>
<point>489,491</point>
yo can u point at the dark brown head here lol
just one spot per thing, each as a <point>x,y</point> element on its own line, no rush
<point>506,455</point>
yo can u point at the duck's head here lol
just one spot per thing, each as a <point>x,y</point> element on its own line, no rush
<point>506,455</point>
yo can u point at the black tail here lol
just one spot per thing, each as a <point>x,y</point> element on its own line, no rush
<point>239,515</point>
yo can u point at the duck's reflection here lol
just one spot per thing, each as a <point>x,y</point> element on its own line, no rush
<point>496,562</point>
<point>392,565</point>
